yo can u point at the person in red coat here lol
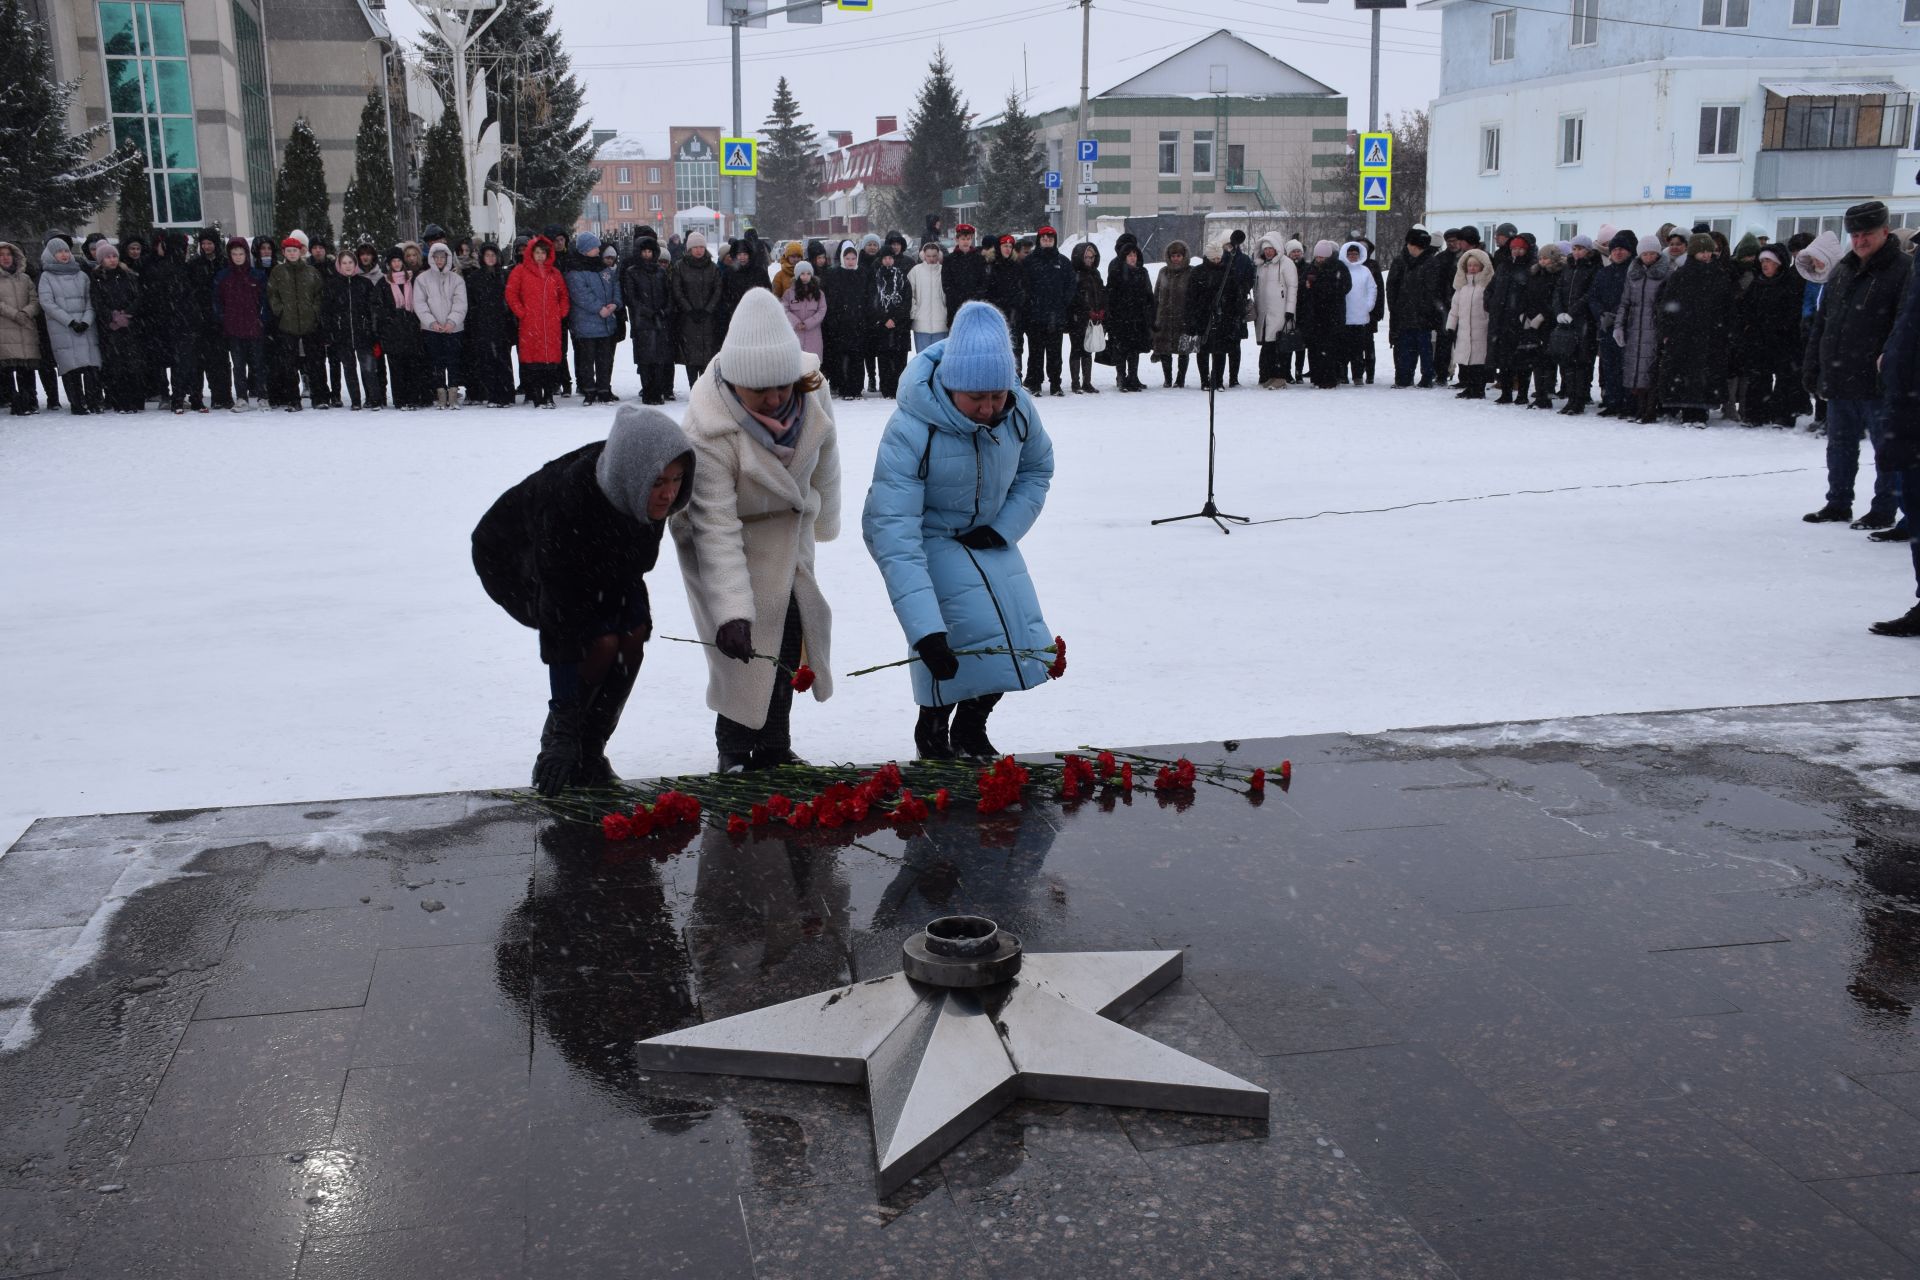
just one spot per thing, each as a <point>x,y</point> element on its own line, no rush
<point>537,296</point>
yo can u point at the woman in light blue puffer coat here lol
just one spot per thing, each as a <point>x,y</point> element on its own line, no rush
<point>962,474</point>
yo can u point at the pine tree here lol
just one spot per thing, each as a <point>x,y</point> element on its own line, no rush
<point>1011,188</point>
<point>789,167</point>
<point>49,176</point>
<point>532,91</point>
<point>939,154</point>
<point>367,214</point>
<point>443,178</point>
<point>136,201</point>
<point>300,200</point>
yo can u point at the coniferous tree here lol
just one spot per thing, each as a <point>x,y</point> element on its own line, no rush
<point>789,167</point>
<point>49,176</point>
<point>1010,187</point>
<point>532,92</point>
<point>939,154</point>
<point>443,178</point>
<point>135,205</point>
<point>300,198</point>
<point>368,212</point>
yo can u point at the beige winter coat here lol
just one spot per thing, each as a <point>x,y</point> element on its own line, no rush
<point>746,542</point>
<point>1467,317</point>
<point>1276,290</point>
<point>19,315</point>
<point>929,298</point>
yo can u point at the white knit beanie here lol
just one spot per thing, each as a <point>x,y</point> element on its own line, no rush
<point>695,240</point>
<point>761,349</point>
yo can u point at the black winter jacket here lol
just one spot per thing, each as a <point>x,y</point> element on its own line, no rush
<point>963,278</point>
<point>1769,322</point>
<point>643,286</point>
<point>890,298</point>
<point>488,319</point>
<point>847,314</point>
<point>1416,298</point>
<point>1324,286</point>
<point>347,317</point>
<point>1007,287</point>
<point>1853,323</point>
<point>1050,287</point>
<point>554,553</point>
<point>1129,308</point>
<point>200,274</point>
<point>1695,321</point>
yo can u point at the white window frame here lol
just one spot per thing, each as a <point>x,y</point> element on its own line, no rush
<point>654,203</point>
<point>1565,230</point>
<point>624,175</point>
<point>1579,121</point>
<point>1813,10</point>
<point>1720,13</point>
<point>653,175</point>
<point>1585,32</point>
<point>1205,138</point>
<point>626,202</point>
<point>1489,132</point>
<point>1719,127</point>
<point>1911,13</point>
<point>1503,22</point>
<point>1168,138</point>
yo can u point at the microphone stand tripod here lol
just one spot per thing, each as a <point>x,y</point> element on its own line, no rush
<point>1209,510</point>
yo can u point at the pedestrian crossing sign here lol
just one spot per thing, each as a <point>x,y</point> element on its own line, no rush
<point>1376,191</point>
<point>739,157</point>
<point>854,6</point>
<point>1376,152</point>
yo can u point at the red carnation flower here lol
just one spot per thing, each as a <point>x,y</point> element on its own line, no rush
<point>643,821</point>
<point>801,817</point>
<point>616,826</point>
<point>779,806</point>
<point>941,799</point>
<point>1106,764</point>
<point>736,825</point>
<point>758,815</point>
<point>802,678</point>
<point>1126,777</point>
<point>1059,667</point>
<point>1258,782</point>
<point>1286,771</point>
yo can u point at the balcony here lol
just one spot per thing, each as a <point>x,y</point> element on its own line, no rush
<point>1824,174</point>
<point>1250,182</point>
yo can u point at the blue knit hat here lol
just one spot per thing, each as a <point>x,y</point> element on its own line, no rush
<point>586,242</point>
<point>979,354</point>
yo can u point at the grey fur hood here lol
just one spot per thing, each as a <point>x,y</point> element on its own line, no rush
<point>643,441</point>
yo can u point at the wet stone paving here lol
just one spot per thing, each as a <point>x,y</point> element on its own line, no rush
<point>1541,1011</point>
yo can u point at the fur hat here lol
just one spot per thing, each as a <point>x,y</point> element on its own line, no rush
<point>760,349</point>
<point>1701,242</point>
<point>1869,215</point>
<point>1420,236</point>
<point>102,249</point>
<point>979,354</point>
<point>1624,239</point>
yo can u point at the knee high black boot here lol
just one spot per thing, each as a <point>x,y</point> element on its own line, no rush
<point>597,723</point>
<point>76,398</point>
<point>930,736</point>
<point>969,733</point>
<point>1166,370</point>
<point>557,764</point>
<point>1180,378</point>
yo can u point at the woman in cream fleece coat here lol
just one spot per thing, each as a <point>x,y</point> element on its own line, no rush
<point>766,489</point>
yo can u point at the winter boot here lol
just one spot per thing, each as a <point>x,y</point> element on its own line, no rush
<point>969,733</point>
<point>1907,624</point>
<point>1874,520</point>
<point>76,396</point>
<point>1073,373</point>
<point>1166,370</point>
<point>557,764</point>
<point>1899,533</point>
<point>776,758</point>
<point>1832,513</point>
<point>930,738</point>
<point>597,724</point>
<point>1180,378</point>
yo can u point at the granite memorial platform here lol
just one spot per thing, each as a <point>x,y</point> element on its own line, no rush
<point>1623,1000</point>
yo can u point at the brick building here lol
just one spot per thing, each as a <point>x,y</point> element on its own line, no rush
<point>851,172</point>
<point>633,187</point>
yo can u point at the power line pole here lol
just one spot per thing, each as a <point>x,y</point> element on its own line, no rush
<point>1373,117</point>
<point>732,201</point>
<point>1086,42</point>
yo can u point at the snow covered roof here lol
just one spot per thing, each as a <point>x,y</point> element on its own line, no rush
<point>1830,88</point>
<point>1221,63</point>
<point>622,147</point>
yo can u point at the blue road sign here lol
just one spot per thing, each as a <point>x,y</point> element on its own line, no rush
<point>1679,193</point>
<point>1089,150</point>
<point>739,157</point>
<point>1053,179</point>
<point>1376,192</point>
<point>1375,156</point>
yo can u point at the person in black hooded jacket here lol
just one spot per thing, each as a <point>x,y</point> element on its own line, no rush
<point>350,331</point>
<point>963,273</point>
<point>1007,291</point>
<point>846,327</point>
<point>650,313</point>
<point>1769,320</point>
<point>1534,350</point>
<point>1089,307</point>
<point>889,320</point>
<point>1049,299</point>
<point>490,332</point>
<point>1511,269</point>
<point>1695,327</point>
<point>1129,313</point>
<point>210,362</point>
<point>172,334</point>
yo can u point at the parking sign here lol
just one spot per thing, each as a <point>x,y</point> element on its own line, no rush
<point>1053,180</point>
<point>1089,150</point>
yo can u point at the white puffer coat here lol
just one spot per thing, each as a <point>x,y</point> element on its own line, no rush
<point>746,542</point>
<point>1467,316</point>
<point>1276,291</point>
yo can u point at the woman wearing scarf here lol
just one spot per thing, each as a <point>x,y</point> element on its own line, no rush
<point>399,328</point>
<point>961,475</point>
<point>66,299</point>
<point>766,489</point>
<point>116,301</point>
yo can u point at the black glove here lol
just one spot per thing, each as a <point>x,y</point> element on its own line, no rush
<point>78,326</point>
<point>939,658</point>
<point>985,538</point>
<point>1289,326</point>
<point>735,639</point>
<point>554,769</point>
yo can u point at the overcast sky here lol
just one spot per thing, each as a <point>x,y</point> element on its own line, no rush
<point>648,64</point>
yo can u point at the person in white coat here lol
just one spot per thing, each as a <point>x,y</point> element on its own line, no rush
<point>440,300</point>
<point>1276,293</point>
<point>1467,322</point>
<point>929,299</point>
<point>766,489</point>
<point>1361,300</point>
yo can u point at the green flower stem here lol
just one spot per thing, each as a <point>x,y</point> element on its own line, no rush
<point>1049,652</point>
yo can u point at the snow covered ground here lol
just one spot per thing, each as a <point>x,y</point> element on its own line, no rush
<point>230,610</point>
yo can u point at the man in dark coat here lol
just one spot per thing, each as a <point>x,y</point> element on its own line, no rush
<point>1242,275</point>
<point>1050,289</point>
<point>963,273</point>
<point>1415,308</point>
<point>490,331</point>
<point>1575,326</point>
<point>1695,324</point>
<point>1447,259</point>
<point>1899,450</point>
<point>1603,308</point>
<point>649,313</point>
<point>173,319</point>
<point>210,360</point>
<point>566,552</point>
<point>1841,364</point>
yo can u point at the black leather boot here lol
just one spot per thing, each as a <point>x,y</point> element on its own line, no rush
<point>969,732</point>
<point>930,740</point>
<point>557,764</point>
<point>597,723</point>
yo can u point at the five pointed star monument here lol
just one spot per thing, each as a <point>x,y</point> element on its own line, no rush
<point>938,1061</point>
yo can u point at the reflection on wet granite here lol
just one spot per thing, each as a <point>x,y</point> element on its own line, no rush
<point>1525,1012</point>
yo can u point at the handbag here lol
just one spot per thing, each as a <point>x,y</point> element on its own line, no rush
<point>1096,340</point>
<point>1564,343</point>
<point>1188,345</point>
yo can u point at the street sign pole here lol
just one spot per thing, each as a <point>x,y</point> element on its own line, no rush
<point>1086,42</point>
<point>1373,118</point>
